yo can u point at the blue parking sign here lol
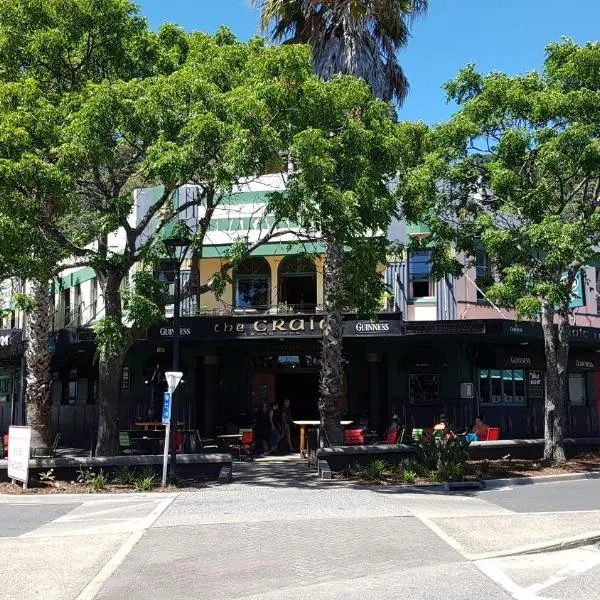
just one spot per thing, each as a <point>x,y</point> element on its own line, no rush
<point>166,412</point>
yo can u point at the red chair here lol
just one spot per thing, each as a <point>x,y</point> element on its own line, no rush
<point>354,437</point>
<point>245,444</point>
<point>179,441</point>
<point>493,434</point>
<point>392,436</point>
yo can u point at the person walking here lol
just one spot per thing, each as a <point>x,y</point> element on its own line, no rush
<point>286,426</point>
<point>274,427</point>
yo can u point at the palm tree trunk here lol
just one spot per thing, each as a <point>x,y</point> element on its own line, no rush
<point>556,342</point>
<point>332,366</point>
<point>38,360</point>
<point>110,365</point>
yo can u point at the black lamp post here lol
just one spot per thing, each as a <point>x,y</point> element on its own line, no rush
<point>177,246</point>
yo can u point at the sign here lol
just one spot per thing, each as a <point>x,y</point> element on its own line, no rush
<point>173,378</point>
<point>577,293</point>
<point>444,327</point>
<point>166,411</point>
<point>19,442</point>
<point>288,326</point>
<point>536,384</point>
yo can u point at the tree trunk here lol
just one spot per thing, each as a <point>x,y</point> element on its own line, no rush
<point>110,365</point>
<point>556,342</point>
<point>38,360</point>
<point>332,365</point>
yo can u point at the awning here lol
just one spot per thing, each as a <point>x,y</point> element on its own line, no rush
<point>582,360</point>
<point>509,357</point>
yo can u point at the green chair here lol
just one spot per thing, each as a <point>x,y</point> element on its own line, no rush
<point>417,434</point>
<point>125,443</point>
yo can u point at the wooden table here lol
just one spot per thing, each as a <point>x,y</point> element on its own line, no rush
<point>303,427</point>
<point>150,425</point>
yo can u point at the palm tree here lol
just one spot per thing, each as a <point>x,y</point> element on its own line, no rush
<point>348,37</point>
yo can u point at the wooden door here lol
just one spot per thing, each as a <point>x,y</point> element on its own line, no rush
<point>263,388</point>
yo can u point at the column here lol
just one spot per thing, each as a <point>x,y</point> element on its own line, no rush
<point>374,360</point>
<point>211,394</point>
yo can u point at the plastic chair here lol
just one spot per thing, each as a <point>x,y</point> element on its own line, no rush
<point>493,434</point>
<point>245,445</point>
<point>354,437</point>
<point>417,434</point>
<point>393,436</point>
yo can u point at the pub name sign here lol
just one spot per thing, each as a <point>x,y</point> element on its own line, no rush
<point>300,326</point>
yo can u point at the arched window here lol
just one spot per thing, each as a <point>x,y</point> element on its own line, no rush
<point>252,284</point>
<point>298,282</point>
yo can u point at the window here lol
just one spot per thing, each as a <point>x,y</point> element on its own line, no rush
<point>424,388</point>
<point>577,389</point>
<point>419,274</point>
<point>252,286</point>
<point>70,389</point>
<point>4,388</point>
<point>92,391</point>
<point>126,379</point>
<point>66,298</point>
<point>502,386</point>
<point>483,273</point>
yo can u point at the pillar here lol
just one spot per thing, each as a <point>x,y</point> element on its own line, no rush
<point>374,360</point>
<point>211,394</point>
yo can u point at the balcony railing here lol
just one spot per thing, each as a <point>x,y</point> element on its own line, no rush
<point>228,310</point>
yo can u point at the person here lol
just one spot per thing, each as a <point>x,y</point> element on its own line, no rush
<point>259,428</point>
<point>274,424</point>
<point>286,426</point>
<point>396,424</point>
<point>364,425</point>
<point>480,428</point>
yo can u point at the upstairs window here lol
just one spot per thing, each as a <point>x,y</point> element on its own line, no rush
<point>419,274</point>
<point>483,273</point>
<point>253,284</point>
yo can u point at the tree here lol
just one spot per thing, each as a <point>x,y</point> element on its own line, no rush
<point>517,172</point>
<point>360,38</point>
<point>217,120</point>
<point>350,38</point>
<point>345,152</point>
<point>48,50</point>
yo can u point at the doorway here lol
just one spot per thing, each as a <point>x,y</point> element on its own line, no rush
<point>303,391</point>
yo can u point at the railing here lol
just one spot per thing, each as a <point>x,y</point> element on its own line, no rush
<point>227,310</point>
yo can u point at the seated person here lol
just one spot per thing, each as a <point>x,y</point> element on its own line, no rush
<point>396,424</point>
<point>480,428</point>
<point>364,425</point>
<point>443,424</point>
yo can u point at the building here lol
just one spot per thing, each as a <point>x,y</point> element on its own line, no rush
<point>437,347</point>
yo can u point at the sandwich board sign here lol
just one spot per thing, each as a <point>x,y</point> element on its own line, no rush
<point>19,442</point>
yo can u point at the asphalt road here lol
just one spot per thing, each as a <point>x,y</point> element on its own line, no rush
<point>550,497</point>
<point>278,532</point>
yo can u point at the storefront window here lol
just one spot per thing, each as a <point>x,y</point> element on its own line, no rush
<point>502,386</point>
<point>424,388</point>
<point>4,388</point>
<point>577,389</point>
<point>70,389</point>
<point>419,273</point>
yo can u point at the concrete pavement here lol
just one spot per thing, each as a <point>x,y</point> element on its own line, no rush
<point>278,531</point>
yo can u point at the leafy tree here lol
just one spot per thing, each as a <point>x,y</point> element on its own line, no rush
<point>216,120</point>
<point>517,172</point>
<point>360,39</point>
<point>346,153</point>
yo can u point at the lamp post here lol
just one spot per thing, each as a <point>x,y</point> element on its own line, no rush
<point>177,247</point>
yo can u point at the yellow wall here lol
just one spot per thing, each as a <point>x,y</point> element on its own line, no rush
<point>209,266</point>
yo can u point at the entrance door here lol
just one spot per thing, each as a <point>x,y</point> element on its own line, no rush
<point>303,391</point>
<point>263,388</point>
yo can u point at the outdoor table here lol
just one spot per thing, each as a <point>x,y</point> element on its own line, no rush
<point>304,426</point>
<point>149,425</point>
<point>228,438</point>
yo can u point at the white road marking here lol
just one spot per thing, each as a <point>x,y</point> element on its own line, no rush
<point>95,585</point>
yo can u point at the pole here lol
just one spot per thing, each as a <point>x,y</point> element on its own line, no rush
<point>166,454</point>
<point>174,411</point>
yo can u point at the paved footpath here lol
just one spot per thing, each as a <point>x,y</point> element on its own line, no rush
<point>279,532</point>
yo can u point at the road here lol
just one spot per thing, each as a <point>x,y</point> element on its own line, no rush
<point>278,532</point>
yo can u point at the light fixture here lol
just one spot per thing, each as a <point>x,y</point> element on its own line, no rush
<point>523,343</point>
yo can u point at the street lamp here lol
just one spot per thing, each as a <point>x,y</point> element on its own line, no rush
<point>177,246</point>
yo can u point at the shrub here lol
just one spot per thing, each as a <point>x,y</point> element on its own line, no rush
<point>174,479</point>
<point>47,477</point>
<point>445,458</point>
<point>123,476</point>
<point>374,471</point>
<point>85,475</point>
<point>99,481</point>
<point>145,481</point>
<point>408,476</point>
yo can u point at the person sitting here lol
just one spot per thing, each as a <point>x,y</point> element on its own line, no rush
<point>396,424</point>
<point>364,425</point>
<point>480,428</point>
<point>443,424</point>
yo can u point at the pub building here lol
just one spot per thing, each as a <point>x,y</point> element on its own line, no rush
<point>437,347</point>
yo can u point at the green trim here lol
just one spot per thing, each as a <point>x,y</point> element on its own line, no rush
<point>268,249</point>
<point>261,197</point>
<point>416,228</point>
<point>73,279</point>
<point>430,301</point>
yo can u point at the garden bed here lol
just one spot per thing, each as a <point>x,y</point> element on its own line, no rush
<point>411,471</point>
<point>89,481</point>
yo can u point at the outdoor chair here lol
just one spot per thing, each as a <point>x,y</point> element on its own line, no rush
<point>245,444</point>
<point>46,452</point>
<point>417,434</point>
<point>125,445</point>
<point>493,434</point>
<point>354,437</point>
<point>393,436</point>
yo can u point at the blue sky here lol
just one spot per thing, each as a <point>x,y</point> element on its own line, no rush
<point>506,35</point>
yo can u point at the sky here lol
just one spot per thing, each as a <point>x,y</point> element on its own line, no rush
<point>503,35</point>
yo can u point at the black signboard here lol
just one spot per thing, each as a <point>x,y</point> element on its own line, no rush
<point>424,388</point>
<point>444,328</point>
<point>265,327</point>
<point>535,383</point>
